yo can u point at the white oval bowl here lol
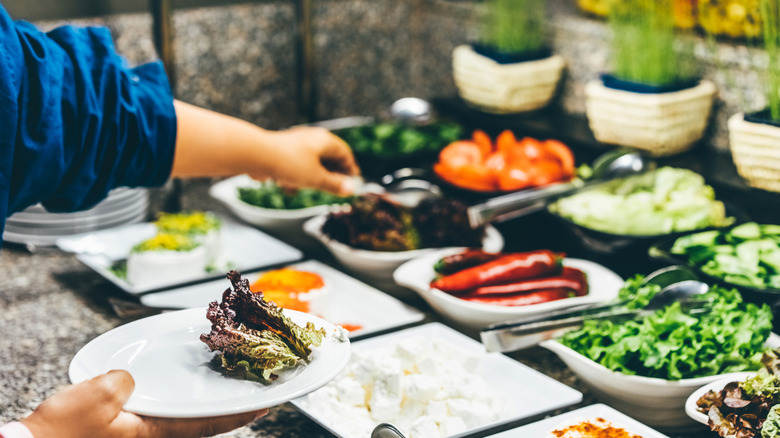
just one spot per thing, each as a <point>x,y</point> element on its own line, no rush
<point>655,402</point>
<point>226,191</point>
<point>418,273</point>
<point>690,403</point>
<point>379,265</point>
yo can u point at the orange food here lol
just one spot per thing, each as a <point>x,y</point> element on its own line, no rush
<point>509,164</point>
<point>351,327</point>
<point>287,279</point>
<point>288,287</point>
<point>287,300</point>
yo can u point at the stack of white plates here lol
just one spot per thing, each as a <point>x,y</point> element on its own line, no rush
<point>35,226</point>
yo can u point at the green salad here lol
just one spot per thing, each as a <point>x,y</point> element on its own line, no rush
<point>395,139</point>
<point>747,255</point>
<point>675,344</point>
<point>271,195</point>
<point>660,202</point>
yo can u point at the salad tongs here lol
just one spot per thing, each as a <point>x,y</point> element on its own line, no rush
<point>678,284</point>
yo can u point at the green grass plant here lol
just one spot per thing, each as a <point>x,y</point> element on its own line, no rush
<point>516,26</point>
<point>770,16</point>
<point>646,47</point>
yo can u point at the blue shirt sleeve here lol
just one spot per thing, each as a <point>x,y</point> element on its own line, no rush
<point>75,120</point>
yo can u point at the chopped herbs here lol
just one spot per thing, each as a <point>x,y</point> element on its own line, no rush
<point>395,139</point>
<point>271,195</point>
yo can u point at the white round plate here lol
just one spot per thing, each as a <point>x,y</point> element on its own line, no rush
<point>38,214</point>
<point>26,238</point>
<point>67,225</point>
<point>603,285</point>
<point>690,403</point>
<point>171,369</point>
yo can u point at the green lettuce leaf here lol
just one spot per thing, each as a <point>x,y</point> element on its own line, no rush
<point>673,344</point>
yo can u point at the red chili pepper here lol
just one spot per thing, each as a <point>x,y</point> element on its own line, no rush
<point>510,267</point>
<point>462,260</point>
<point>572,279</point>
<point>526,299</point>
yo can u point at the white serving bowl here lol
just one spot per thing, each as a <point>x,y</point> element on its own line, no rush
<point>656,402</point>
<point>379,265</point>
<point>690,403</point>
<point>226,191</point>
<point>417,274</point>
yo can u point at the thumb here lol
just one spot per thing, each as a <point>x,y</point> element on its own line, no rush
<point>114,387</point>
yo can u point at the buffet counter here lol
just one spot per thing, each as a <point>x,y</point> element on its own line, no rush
<point>53,305</point>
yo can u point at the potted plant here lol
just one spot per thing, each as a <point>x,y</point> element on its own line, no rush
<point>755,137</point>
<point>653,99</point>
<point>511,69</point>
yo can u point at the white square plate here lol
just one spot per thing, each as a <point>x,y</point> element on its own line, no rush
<point>543,428</point>
<point>349,300</point>
<point>527,392</point>
<point>243,248</point>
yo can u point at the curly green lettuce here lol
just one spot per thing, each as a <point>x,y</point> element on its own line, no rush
<point>675,344</point>
<point>255,339</point>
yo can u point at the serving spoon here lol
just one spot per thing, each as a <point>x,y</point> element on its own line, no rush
<point>412,111</point>
<point>386,430</point>
<point>678,283</point>
<point>618,163</point>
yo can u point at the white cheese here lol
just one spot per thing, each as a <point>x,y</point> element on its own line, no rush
<point>426,387</point>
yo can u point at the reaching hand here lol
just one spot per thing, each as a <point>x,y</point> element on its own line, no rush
<point>94,408</point>
<point>316,158</point>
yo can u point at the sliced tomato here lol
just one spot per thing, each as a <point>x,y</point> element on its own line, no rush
<point>460,153</point>
<point>506,141</point>
<point>496,161</point>
<point>533,149</point>
<point>563,154</point>
<point>546,172</point>
<point>483,141</point>
<point>513,179</point>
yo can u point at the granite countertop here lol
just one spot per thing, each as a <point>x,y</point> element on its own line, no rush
<point>53,305</point>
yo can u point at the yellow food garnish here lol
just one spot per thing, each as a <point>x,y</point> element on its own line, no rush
<point>188,223</point>
<point>166,242</point>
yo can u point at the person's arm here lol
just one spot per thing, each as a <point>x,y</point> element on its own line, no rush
<point>94,409</point>
<point>213,144</point>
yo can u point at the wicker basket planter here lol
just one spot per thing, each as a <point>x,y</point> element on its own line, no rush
<point>660,123</point>
<point>755,148</point>
<point>505,88</point>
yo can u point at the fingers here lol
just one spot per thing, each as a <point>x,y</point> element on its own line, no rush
<point>338,157</point>
<point>337,183</point>
<point>197,427</point>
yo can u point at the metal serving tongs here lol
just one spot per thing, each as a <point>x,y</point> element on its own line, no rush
<point>678,283</point>
<point>618,163</point>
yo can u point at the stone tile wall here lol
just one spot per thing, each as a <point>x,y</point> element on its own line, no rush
<point>240,59</point>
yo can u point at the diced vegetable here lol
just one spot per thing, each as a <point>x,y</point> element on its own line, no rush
<point>395,139</point>
<point>664,201</point>
<point>748,254</point>
<point>271,195</point>
<point>509,164</point>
